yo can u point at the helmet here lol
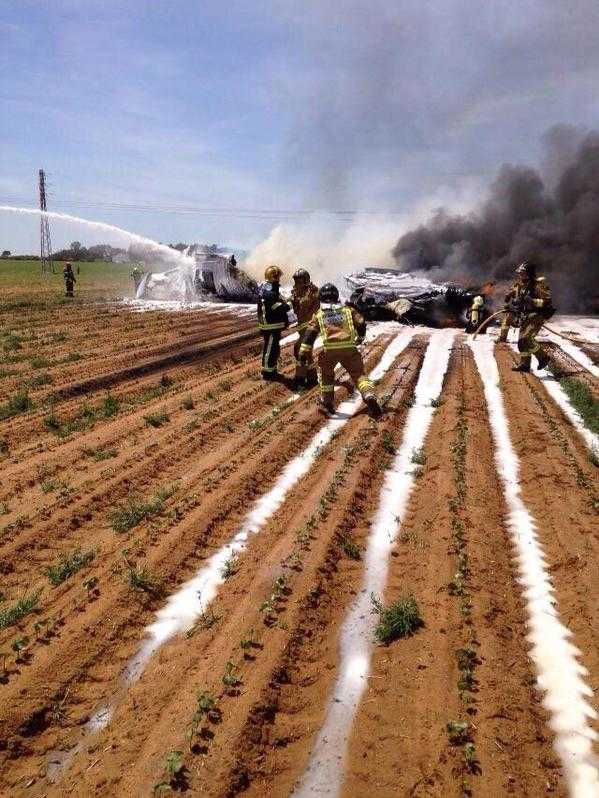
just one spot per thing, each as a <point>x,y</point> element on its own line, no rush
<point>527,269</point>
<point>301,276</point>
<point>328,293</point>
<point>273,274</point>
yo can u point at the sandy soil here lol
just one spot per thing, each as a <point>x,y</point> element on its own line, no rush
<point>189,416</point>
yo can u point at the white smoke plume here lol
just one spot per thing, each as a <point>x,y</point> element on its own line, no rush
<point>329,249</point>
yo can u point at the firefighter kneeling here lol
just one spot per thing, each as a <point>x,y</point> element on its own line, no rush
<point>342,329</point>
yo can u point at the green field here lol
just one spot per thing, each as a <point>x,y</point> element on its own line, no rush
<point>22,279</point>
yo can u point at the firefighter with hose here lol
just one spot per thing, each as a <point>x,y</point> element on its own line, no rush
<point>509,319</point>
<point>305,302</point>
<point>272,320</point>
<point>342,330</point>
<point>530,306</point>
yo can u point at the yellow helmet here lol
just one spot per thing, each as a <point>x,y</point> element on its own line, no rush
<point>273,274</point>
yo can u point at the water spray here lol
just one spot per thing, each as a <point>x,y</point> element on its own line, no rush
<point>167,253</point>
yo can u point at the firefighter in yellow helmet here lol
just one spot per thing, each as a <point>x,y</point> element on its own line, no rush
<point>531,307</point>
<point>342,329</point>
<point>272,320</point>
<point>305,302</point>
<point>477,311</point>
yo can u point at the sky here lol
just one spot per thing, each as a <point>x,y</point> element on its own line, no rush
<point>211,121</point>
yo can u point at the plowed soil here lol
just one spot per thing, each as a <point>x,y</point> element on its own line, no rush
<point>163,418</point>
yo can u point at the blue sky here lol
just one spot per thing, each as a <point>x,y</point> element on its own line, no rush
<point>278,106</point>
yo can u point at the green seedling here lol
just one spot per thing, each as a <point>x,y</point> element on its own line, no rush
<point>188,403</point>
<point>388,442</point>
<point>351,549</point>
<point>91,584</point>
<point>400,619</point>
<point>110,406</point>
<point>230,678</point>
<point>418,457</point>
<point>125,518</point>
<point>157,419</point>
<point>458,732</point>
<point>247,643</point>
<point>39,627</point>
<point>68,565</point>
<point>19,645</point>
<point>18,403</point>
<point>142,579</point>
<point>12,615</point>
<point>229,568</point>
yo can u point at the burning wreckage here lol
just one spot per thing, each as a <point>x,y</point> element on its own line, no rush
<point>386,295</point>
<point>379,294</point>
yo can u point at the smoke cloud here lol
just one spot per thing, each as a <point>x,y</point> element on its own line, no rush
<point>549,215</point>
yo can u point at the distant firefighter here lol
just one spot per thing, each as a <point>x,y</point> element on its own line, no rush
<point>342,329</point>
<point>272,320</point>
<point>233,261</point>
<point>69,279</point>
<point>305,302</point>
<point>531,307</point>
<point>137,275</point>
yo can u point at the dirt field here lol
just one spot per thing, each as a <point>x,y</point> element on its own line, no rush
<point>133,446</point>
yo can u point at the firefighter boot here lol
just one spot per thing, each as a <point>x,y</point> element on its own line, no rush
<point>523,365</point>
<point>325,405</point>
<point>543,360</point>
<point>374,409</point>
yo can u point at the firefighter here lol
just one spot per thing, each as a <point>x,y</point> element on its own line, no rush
<point>137,275</point>
<point>477,311</point>
<point>531,306</point>
<point>342,329</point>
<point>509,318</point>
<point>272,320</point>
<point>69,279</point>
<point>305,302</point>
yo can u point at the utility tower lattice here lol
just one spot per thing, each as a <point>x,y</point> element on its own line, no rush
<point>45,242</point>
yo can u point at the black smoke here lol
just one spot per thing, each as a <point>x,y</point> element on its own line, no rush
<point>551,217</point>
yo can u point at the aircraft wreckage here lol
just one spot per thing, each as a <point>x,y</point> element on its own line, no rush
<point>379,294</point>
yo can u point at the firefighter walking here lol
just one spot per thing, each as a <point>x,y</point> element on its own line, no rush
<point>69,279</point>
<point>529,304</point>
<point>305,303</point>
<point>342,329</point>
<point>272,320</point>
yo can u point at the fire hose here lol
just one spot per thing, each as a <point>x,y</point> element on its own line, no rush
<point>546,326</point>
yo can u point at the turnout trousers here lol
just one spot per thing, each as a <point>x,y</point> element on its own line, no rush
<point>527,340</point>
<point>305,372</point>
<point>507,320</point>
<point>351,360</point>
<point>271,349</point>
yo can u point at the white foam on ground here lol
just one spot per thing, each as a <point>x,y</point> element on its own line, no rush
<point>575,353</point>
<point>325,771</point>
<point>585,327</point>
<point>185,607</point>
<point>561,399</point>
<point>559,674</point>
